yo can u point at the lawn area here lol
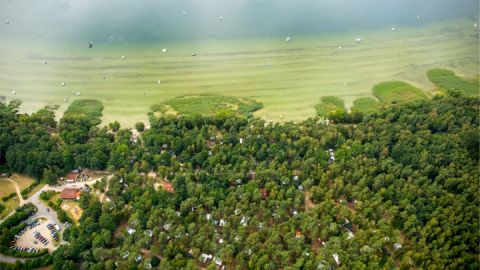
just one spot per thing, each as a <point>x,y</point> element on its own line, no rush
<point>91,108</point>
<point>207,104</point>
<point>7,188</point>
<point>447,80</point>
<point>365,104</point>
<point>10,205</point>
<point>22,180</point>
<point>73,210</point>
<point>397,92</point>
<point>328,105</point>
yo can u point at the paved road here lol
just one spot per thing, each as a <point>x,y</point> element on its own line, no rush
<point>8,259</point>
<point>42,208</point>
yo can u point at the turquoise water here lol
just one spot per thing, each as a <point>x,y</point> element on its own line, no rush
<point>127,21</point>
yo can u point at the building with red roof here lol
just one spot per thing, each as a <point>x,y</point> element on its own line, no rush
<point>70,194</point>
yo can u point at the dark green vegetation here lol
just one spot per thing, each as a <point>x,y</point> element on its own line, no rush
<point>407,174</point>
<point>89,108</point>
<point>207,105</point>
<point>365,105</point>
<point>329,104</point>
<point>447,80</point>
<point>397,92</point>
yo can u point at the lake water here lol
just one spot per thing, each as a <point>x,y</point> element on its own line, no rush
<point>240,49</point>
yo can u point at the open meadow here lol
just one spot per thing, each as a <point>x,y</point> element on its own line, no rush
<point>287,78</point>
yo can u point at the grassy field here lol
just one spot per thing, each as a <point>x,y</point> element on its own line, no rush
<point>287,78</point>
<point>397,92</point>
<point>366,104</point>
<point>23,181</point>
<point>447,80</point>
<point>329,104</point>
<point>10,204</point>
<point>7,188</point>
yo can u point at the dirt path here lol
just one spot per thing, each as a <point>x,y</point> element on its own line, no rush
<point>17,189</point>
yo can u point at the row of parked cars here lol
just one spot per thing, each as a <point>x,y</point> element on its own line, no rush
<point>20,234</point>
<point>24,249</point>
<point>53,232</point>
<point>40,238</point>
<point>33,224</point>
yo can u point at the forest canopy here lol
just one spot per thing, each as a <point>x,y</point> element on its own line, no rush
<point>401,191</point>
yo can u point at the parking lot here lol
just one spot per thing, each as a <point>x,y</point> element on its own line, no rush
<point>39,236</point>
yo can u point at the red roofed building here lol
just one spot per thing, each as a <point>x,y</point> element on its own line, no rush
<point>168,187</point>
<point>70,194</point>
<point>72,176</point>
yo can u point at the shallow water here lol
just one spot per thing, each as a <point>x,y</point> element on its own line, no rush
<point>245,54</point>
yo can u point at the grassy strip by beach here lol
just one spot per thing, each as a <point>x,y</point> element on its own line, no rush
<point>397,92</point>
<point>91,108</point>
<point>207,104</point>
<point>447,80</point>
<point>328,105</point>
<point>365,105</point>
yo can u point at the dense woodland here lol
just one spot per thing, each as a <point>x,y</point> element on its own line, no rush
<point>401,193</point>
